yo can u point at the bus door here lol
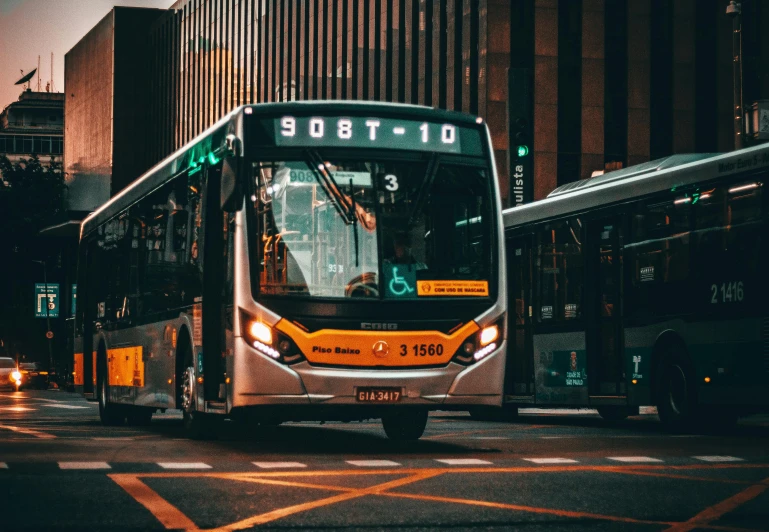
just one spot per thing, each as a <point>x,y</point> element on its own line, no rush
<point>604,309</point>
<point>519,372</point>
<point>213,288</point>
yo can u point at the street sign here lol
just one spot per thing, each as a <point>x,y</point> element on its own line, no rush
<point>46,300</point>
<point>49,335</point>
<point>73,305</point>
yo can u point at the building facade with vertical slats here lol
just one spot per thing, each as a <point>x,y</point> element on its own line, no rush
<point>611,83</point>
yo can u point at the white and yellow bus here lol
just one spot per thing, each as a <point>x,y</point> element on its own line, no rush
<point>300,261</point>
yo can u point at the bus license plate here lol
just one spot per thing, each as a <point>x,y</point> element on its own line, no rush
<point>378,395</point>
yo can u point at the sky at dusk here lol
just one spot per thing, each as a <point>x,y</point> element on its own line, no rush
<point>29,28</point>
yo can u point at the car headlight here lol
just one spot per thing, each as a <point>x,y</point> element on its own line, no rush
<point>16,376</point>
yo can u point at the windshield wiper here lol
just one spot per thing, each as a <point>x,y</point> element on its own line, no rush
<point>354,224</point>
<point>343,205</point>
<point>427,184</point>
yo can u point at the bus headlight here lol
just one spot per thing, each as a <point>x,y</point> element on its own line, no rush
<point>489,334</point>
<point>482,343</point>
<point>260,331</point>
<point>268,341</point>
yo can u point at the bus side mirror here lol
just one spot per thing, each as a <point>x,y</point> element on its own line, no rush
<point>231,191</point>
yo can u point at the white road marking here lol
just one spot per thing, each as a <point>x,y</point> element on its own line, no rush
<point>183,465</point>
<point>633,459</point>
<point>718,458</point>
<point>71,407</point>
<point>84,465</point>
<point>35,433</point>
<point>462,461</point>
<point>115,438</point>
<point>373,463</point>
<point>551,460</point>
<point>276,465</point>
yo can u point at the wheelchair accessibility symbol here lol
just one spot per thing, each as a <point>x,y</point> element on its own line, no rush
<point>399,285</point>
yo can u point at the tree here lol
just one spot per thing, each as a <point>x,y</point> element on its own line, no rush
<point>31,197</point>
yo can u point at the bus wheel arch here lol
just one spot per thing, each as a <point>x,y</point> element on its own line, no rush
<point>673,382</point>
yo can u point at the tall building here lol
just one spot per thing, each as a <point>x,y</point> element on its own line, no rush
<point>581,85</point>
<point>107,86</point>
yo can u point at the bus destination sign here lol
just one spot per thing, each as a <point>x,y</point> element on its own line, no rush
<point>372,132</point>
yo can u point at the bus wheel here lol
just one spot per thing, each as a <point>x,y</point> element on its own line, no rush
<point>109,413</point>
<point>405,426</point>
<point>197,425</point>
<point>139,415</point>
<point>677,399</point>
<point>614,412</point>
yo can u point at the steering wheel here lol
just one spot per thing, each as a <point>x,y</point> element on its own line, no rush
<point>364,285</point>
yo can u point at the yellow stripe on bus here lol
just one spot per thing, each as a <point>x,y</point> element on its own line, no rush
<point>78,371</point>
<point>126,367</point>
<point>377,348</point>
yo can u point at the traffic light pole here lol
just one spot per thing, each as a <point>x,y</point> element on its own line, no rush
<point>734,10</point>
<point>47,315</point>
<point>520,136</point>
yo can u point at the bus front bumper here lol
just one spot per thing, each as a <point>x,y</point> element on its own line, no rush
<point>258,380</point>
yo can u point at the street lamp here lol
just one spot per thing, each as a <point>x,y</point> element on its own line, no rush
<point>48,334</point>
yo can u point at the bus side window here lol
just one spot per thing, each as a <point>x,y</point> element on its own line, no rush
<point>169,228</point>
<point>560,271</point>
<point>658,254</point>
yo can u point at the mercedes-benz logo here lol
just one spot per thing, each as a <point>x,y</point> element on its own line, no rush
<point>381,349</point>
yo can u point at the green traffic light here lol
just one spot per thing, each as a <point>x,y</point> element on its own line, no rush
<point>523,150</point>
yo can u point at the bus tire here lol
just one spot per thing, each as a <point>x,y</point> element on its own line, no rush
<point>109,413</point>
<point>197,425</point>
<point>405,426</point>
<point>676,391</point>
<point>139,415</point>
<point>613,413</point>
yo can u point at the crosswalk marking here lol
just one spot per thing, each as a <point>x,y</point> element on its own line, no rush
<point>373,463</point>
<point>633,459</point>
<point>718,458</point>
<point>277,465</point>
<point>551,460</point>
<point>84,465</point>
<point>184,465</point>
<point>462,461</point>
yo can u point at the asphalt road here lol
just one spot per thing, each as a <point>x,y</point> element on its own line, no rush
<point>552,470</point>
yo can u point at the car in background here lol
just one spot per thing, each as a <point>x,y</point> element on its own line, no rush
<point>10,376</point>
<point>33,376</point>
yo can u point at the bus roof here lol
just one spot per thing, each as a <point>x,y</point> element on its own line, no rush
<point>214,137</point>
<point>637,181</point>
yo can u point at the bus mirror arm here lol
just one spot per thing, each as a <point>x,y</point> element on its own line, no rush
<point>231,187</point>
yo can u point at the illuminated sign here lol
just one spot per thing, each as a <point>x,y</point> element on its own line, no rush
<point>453,288</point>
<point>369,132</point>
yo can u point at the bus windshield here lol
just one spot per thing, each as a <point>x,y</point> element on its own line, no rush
<point>368,229</point>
